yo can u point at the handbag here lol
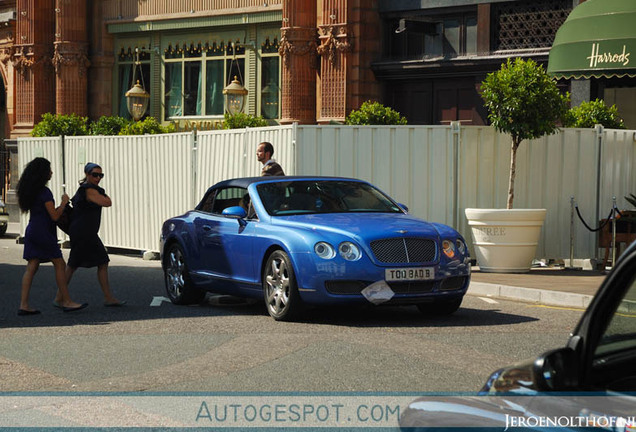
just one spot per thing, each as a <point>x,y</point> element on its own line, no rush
<point>64,221</point>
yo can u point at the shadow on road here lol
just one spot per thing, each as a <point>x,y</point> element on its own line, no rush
<point>143,289</point>
<point>409,316</point>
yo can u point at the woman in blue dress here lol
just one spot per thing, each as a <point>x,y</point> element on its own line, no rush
<point>40,239</point>
<point>87,250</point>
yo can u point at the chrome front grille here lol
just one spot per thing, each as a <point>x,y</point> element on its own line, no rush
<point>404,250</point>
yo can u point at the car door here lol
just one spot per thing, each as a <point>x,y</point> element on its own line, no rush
<point>602,355</point>
<point>225,245</point>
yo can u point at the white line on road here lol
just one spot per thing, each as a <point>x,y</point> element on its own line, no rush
<point>156,301</point>
<point>488,300</point>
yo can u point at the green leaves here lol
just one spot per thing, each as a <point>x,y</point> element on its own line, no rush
<point>57,125</point>
<point>374,113</point>
<point>242,120</point>
<point>108,125</point>
<point>74,125</point>
<point>591,113</point>
<point>148,126</point>
<point>523,101</point>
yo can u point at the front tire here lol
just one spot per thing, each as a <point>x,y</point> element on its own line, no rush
<point>280,289</point>
<point>179,286</point>
<point>440,308</point>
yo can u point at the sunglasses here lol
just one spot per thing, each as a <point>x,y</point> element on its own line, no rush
<point>98,175</point>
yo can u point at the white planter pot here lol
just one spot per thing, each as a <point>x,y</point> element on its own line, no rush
<point>505,241</point>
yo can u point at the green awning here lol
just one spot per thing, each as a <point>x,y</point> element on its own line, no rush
<point>598,39</point>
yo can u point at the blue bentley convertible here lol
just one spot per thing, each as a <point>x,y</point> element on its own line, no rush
<point>296,241</point>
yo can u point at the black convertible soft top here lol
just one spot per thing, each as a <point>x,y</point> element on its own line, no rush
<point>246,181</point>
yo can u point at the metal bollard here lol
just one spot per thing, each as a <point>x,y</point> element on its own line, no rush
<point>571,266</point>
<point>613,231</point>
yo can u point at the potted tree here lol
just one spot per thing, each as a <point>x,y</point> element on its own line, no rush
<point>523,101</point>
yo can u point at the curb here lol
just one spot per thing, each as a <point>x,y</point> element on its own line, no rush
<point>532,295</point>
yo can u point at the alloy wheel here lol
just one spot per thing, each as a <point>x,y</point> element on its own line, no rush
<point>175,273</point>
<point>278,286</point>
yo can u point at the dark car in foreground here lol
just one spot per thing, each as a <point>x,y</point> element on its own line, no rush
<point>591,382</point>
<point>296,241</point>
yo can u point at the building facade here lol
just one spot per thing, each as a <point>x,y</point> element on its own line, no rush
<point>307,61</point>
<point>302,61</point>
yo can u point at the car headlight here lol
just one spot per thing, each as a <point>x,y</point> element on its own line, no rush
<point>349,251</point>
<point>449,248</point>
<point>461,246</point>
<point>324,250</point>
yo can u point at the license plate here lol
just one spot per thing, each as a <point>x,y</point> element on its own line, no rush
<point>409,274</point>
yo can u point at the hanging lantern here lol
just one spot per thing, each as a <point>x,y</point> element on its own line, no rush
<point>234,97</point>
<point>269,101</point>
<point>137,100</point>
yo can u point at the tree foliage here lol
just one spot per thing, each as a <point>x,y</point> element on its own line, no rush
<point>242,121</point>
<point>374,113</point>
<point>147,126</point>
<point>58,125</point>
<point>109,125</point>
<point>72,125</point>
<point>591,113</point>
<point>523,101</point>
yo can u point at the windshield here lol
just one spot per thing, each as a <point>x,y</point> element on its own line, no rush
<point>323,196</point>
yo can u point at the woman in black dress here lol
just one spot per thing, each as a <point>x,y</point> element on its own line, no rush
<point>87,250</point>
<point>40,238</point>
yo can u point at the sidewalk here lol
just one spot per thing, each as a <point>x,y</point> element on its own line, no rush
<point>550,286</point>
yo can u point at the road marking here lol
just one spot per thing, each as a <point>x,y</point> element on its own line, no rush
<point>488,300</point>
<point>557,307</point>
<point>156,301</point>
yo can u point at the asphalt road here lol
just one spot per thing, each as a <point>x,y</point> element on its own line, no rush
<point>152,345</point>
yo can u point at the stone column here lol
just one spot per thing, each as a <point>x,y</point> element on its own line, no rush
<point>70,58</point>
<point>102,58</point>
<point>7,40</point>
<point>334,34</point>
<point>298,53</point>
<point>350,40</point>
<point>365,37</point>
<point>34,78</point>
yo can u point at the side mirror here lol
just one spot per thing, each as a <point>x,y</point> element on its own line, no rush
<point>404,207</point>
<point>556,370</point>
<point>235,211</point>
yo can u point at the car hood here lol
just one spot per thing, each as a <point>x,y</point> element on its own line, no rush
<point>368,226</point>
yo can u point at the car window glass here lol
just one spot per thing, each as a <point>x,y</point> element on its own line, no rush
<point>323,196</point>
<point>246,203</point>
<point>620,334</point>
<point>206,204</point>
<point>227,197</point>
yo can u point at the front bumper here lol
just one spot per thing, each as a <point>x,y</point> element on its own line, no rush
<point>342,282</point>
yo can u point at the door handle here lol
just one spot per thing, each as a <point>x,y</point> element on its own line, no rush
<point>206,228</point>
